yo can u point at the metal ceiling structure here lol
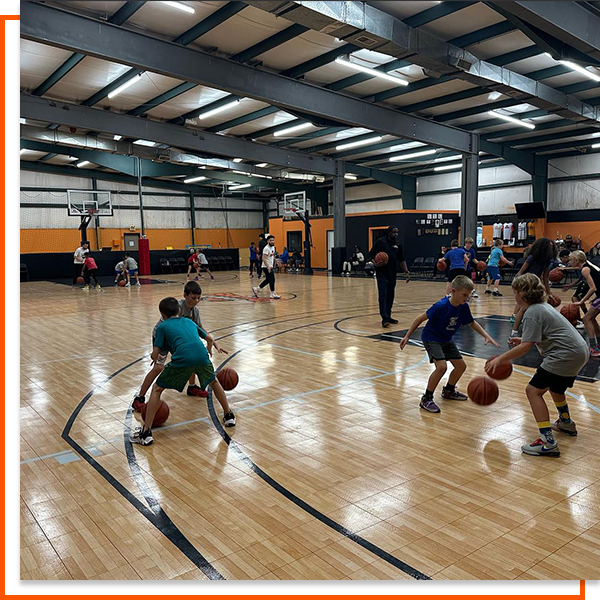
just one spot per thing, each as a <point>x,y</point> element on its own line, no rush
<point>261,67</point>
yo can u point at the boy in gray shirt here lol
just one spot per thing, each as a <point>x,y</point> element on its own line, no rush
<point>564,354</point>
<point>131,269</point>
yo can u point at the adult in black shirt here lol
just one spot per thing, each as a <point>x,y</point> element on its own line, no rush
<point>386,275</point>
<point>261,244</point>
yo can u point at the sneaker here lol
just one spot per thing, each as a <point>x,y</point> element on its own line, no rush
<point>488,291</point>
<point>196,390</point>
<point>393,321</point>
<point>98,287</point>
<point>255,292</point>
<point>385,323</point>
<point>212,276</point>
<point>541,447</point>
<point>196,278</point>
<point>127,285</point>
<point>138,402</point>
<point>512,319</point>
<point>229,419</point>
<point>447,394</point>
<point>495,293</point>
<point>86,287</point>
<point>595,352</point>
<point>138,283</point>
<point>579,325</point>
<point>275,297</point>
<point>144,439</point>
<point>429,405</point>
<point>474,295</point>
<point>569,428</point>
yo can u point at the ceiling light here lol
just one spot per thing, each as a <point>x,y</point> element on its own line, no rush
<point>25,150</point>
<point>261,165</point>
<point>445,158</point>
<point>22,121</point>
<point>238,160</point>
<point>214,111</point>
<point>448,167</point>
<point>180,6</point>
<point>382,74</point>
<point>370,140</point>
<point>292,129</point>
<point>263,176</point>
<point>407,146</point>
<point>576,67</point>
<point>412,155</point>
<point>350,176</point>
<point>131,81</point>
<point>235,186</point>
<point>511,119</point>
<point>240,172</point>
<point>192,179</point>
<point>144,143</point>
<point>83,163</point>
<point>117,137</point>
<point>595,145</point>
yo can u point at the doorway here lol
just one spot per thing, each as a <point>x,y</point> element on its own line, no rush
<point>329,247</point>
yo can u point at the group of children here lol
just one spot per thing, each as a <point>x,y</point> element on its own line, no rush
<point>127,269</point>
<point>198,262</point>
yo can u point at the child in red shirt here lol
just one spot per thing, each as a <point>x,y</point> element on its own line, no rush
<point>90,269</point>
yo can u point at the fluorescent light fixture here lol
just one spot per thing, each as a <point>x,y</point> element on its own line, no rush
<point>22,121</point>
<point>445,158</point>
<point>369,71</point>
<point>263,176</point>
<point>292,129</point>
<point>25,150</point>
<point>125,85</point>
<point>576,67</point>
<point>214,111</point>
<point>83,163</point>
<point>240,172</point>
<point>238,160</point>
<point>511,119</point>
<point>144,143</point>
<point>350,176</point>
<point>192,179</point>
<point>370,140</point>
<point>448,167</point>
<point>595,145</point>
<point>235,186</point>
<point>407,146</point>
<point>180,6</point>
<point>413,155</point>
<point>117,137</point>
<point>261,165</point>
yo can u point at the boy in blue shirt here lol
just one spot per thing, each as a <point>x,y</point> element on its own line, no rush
<point>493,267</point>
<point>458,259</point>
<point>179,336</point>
<point>443,320</point>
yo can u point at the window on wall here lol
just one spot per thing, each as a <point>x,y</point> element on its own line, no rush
<point>294,241</point>
<point>376,233</point>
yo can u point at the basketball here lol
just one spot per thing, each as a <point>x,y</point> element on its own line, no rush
<point>554,301</point>
<point>441,265</point>
<point>570,312</point>
<point>483,390</point>
<point>80,280</point>
<point>228,378</point>
<point>504,371</point>
<point>161,416</point>
<point>555,275</point>
<point>122,283</point>
<point>381,259</point>
<point>481,266</point>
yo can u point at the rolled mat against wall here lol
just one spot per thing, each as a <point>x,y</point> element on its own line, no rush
<point>144,256</point>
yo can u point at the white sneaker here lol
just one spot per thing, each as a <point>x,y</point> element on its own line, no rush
<point>474,295</point>
<point>580,325</point>
<point>138,283</point>
<point>127,285</point>
<point>275,296</point>
<point>255,292</point>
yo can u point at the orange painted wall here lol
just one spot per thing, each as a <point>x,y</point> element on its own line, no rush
<point>66,240</point>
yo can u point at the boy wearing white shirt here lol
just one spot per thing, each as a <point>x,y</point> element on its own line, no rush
<point>268,263</point>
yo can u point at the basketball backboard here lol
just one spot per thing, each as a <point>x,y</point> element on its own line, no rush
<point>82,203</point>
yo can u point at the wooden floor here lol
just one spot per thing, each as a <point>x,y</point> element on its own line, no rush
<point>333,472</point>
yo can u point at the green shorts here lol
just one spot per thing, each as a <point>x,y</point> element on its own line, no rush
<point>175,378</point>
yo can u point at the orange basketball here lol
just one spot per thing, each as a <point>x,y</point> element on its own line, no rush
<point>570,312</point>
<point>483,390</point>
<point>554,301</point>
<point>80,280</point>
<point>228,378</point>
<point>481,266</point>
<point>381,259</point>
<point>122,283</point>
<point>555,275</point>
<point>441,265</point>
<point>161,416</point>
<point>504,371</point>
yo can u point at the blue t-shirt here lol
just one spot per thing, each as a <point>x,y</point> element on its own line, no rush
<point>179,336</point>
<point>456,258</point>
<point>444,321</point>
<point>495,257</point>
<point>252,252</point>
<point>472,256</point>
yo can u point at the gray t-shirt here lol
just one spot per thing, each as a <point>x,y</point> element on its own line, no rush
<point>131,264</point>
<point>563,349</point>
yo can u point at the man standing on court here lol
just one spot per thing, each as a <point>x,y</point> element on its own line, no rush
<point>79,259</point>
<point>268,265</point>
<point>386,274</point>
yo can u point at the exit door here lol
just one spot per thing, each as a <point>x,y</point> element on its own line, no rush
<point>131,241</point>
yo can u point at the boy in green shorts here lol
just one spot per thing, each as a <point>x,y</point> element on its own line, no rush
<point>181,337</point>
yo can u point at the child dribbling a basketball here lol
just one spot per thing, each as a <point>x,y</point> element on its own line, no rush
<point>192,293</point>
<point>443,320</point>
<point>181,337</point>
<point>564,353</point>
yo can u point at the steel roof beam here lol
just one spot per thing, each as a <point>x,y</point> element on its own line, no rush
<point>56,27</point>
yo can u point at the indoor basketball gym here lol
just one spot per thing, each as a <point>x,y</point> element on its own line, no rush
<point>161,140</point>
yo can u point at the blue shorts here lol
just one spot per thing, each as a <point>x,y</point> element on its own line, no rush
<point>493,272</point>
<point>132,271</point>
<point>118,271</point>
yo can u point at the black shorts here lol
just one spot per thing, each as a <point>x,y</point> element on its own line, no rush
<point>452,273</point>
<point>581,290</point>
<point>442,351</point>
<point>543,380</point>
